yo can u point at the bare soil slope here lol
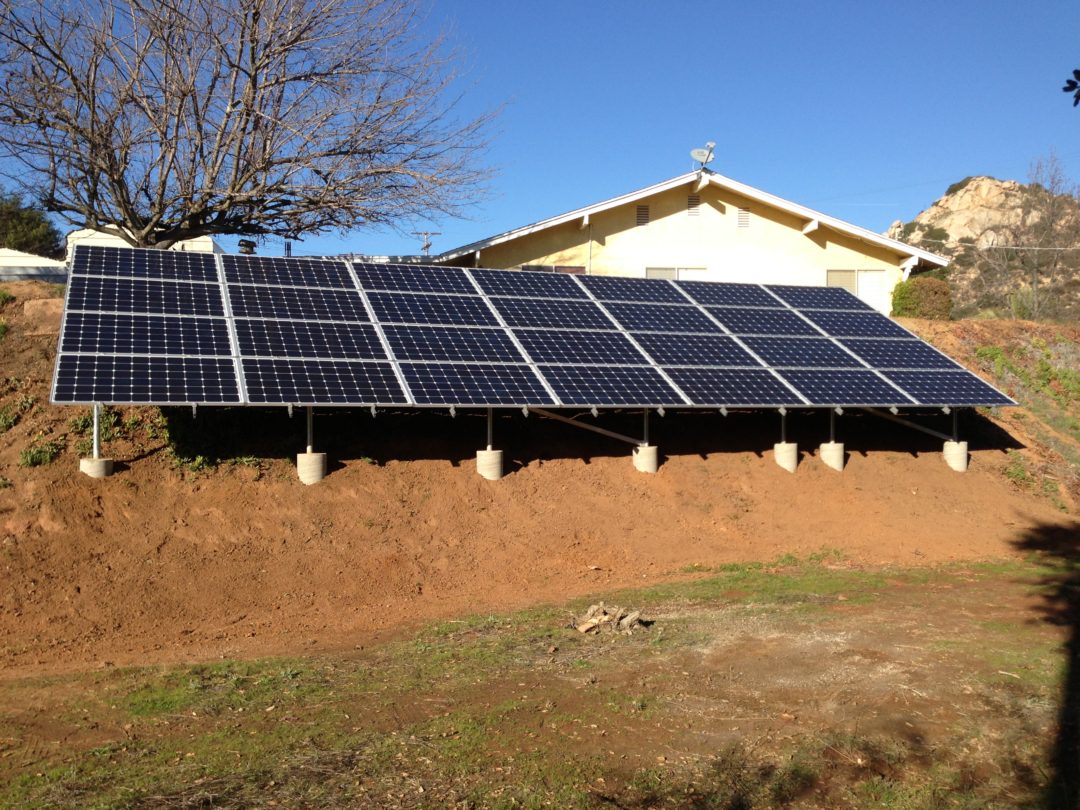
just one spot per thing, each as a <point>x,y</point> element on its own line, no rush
<point>205,544</point>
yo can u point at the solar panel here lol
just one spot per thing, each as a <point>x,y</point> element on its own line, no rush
<point>450,343</point>
<point>474,384</point>
<point>846,387</point>
<point>407,278</point>
<point>343,341</point>
<point>888,353</point>
<point>296,303</point>
<point>542,312</point>
<point>322,382</point>
<point>108,379</point>
<point>142,295</point>
<point>662,318</point>
<point>168,265</point>
<point>712,293</point>
<point>453,310</point>
<point>856,324</point>
<point>565,346</point>
<point>289,272</point>
<point>613,288</point>
<point>610,385</point>
<point>168,327</point>
<point>947,388</point>
<point>818,297</point>
<point>695,350</point>
<point>94,333</point>
<point>793,352</point>
<point>744,321</point>
<point>528,285</point>
<point>732,387</point>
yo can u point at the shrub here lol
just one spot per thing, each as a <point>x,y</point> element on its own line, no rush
<point>3,327</point>
<point>955,187</point>
<point>40,454</point>
<point>922,297</point>
<point>6,297</point>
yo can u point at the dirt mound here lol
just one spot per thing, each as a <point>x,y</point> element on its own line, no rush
<point>205,544</point>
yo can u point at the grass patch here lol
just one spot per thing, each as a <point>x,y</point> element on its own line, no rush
<point>5,298</point>
<point>41,452</point>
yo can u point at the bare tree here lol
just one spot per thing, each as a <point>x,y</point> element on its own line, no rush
<point>162,120</point>
<point>1031,257</point>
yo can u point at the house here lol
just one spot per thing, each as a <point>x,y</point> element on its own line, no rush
<point>86,236</point>
<point>16,265</point>
<point>702,225</point>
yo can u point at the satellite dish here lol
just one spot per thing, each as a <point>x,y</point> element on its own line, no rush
<point>705,155</point>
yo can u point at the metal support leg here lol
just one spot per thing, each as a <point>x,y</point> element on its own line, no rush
<point>489,463</point>
<point>97,430</point>
<point>646,428</point>
<point>490,428</point>
<point>955,425</point>
<point>783,426</point>
<point>310,431</point>
<point>832,425</point>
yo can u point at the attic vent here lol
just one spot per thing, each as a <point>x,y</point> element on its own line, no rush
<point>643,215</point>
<point>693,204</point>
<point>744,218</point>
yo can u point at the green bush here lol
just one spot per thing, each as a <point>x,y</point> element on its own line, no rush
<point>40,453</point>
<point>922,297</point>
<point>5,297</point>
<point>955,187</point>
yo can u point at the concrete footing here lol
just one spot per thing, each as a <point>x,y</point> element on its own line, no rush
<point>832,455</point>
<point>96,467</point>
<point>489,464</point>
<point>786,455</point>
<point>646,458</point>
<point>311,467</point>
<point>956,455</point>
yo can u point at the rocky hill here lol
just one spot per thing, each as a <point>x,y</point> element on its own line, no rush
<point>1015,248</point>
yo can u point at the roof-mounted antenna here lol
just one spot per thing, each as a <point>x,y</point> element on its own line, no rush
<point>703,156</point>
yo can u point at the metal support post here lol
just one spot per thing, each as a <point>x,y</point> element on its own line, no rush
<point>955,425</point>
<point>490,428</point>
<point>783,425</point>
<point>97,430</point>
<point>646,431</point>
<point>832,425</point>
<point>310,431</point>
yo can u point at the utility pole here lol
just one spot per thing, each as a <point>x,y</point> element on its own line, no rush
<point>427,239</point>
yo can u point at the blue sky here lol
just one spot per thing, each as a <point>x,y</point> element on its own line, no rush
<point>863,110</point>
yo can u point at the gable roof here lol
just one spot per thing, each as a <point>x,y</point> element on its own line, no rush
<point>702,178</point>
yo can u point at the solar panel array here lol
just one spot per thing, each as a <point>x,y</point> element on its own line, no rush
<point>164,327</point>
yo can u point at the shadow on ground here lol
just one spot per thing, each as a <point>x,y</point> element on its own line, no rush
<point>407,435</point>
<point>1059,546</point>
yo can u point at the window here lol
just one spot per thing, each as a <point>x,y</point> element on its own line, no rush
<point>744,218</point>
<point>693,204</point>
<point>643,215</point>
<point>845,279</point>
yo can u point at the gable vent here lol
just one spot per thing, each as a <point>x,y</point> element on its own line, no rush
<point>693,204</point>
<point>643,215</point>
<point>744,218</point>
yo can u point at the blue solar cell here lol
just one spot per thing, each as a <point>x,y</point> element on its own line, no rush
<point>144,296</point>
<point>166,265</point>
<point>451,343</point>
<point>948,388</point>
<point>144,334</point>
<point>711,293</point>
<point>289,272</point>
<point>828,387</point>
<point>612,288</point>
<point>88,378</point>
<point>793,352</point>
<point>662,318</point>
<point>610,385</point>
<point>695,350</point>
<point>296,303</point>
<point>333,341</point>
<point>887,353</point>
<point>732,387</point>
<point>856,324</point>
<point>745,321</point>
<point>412,278</point>
<point>528,285</point>
<point>322,382</point>
<point>554,314</point>
<point>450,310</point>
<point>566,346</point>
<point>474,384</point>
<point>818,297</point>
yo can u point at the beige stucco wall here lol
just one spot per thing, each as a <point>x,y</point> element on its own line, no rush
<point>200,244</point>
<point>773,249</point>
